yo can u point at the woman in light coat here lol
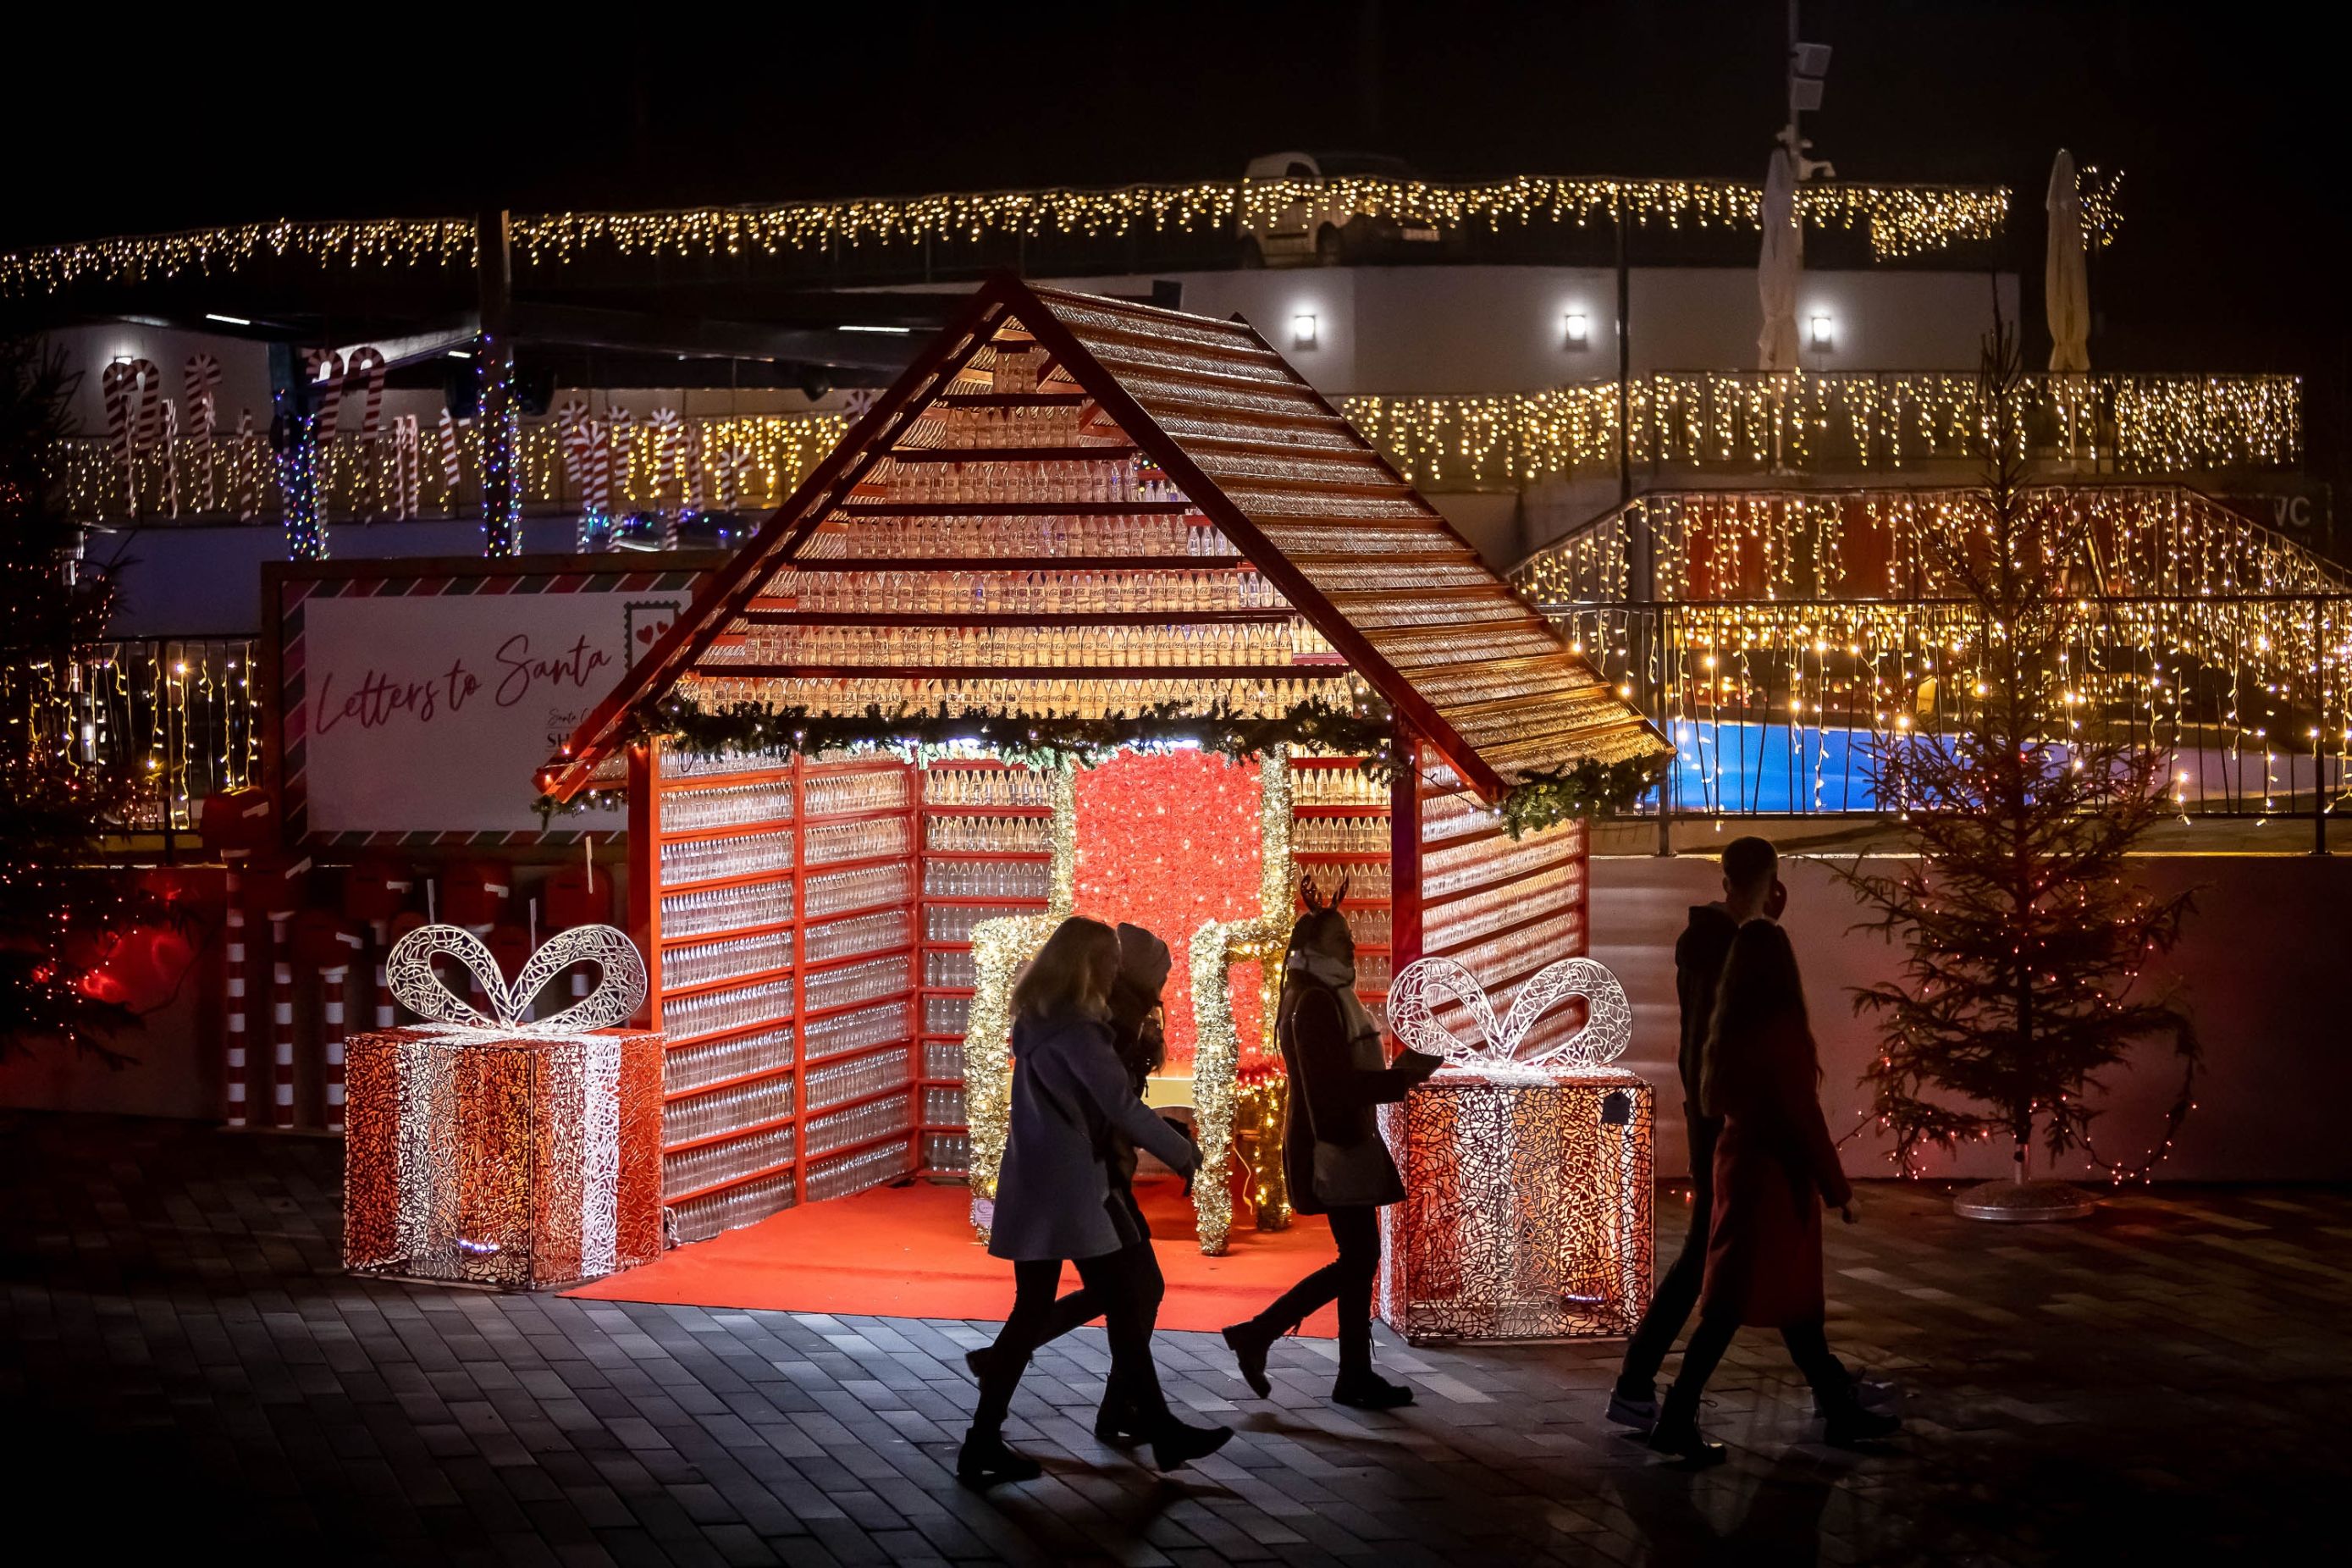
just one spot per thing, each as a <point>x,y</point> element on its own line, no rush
<point>1054,1201</point>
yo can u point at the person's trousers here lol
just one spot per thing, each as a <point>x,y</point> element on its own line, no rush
<point>1809,1347</point>
<point>1115,1281</point>
<point>1678,1289</point>
<point>1346,1279</point>
<point>1082,1306</point>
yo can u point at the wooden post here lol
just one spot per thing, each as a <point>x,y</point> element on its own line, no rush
<point>1404,854</point>
<point>495,417</point>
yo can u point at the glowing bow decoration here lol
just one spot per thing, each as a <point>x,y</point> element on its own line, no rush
<point>620,985</point>
<point>1428,984</point>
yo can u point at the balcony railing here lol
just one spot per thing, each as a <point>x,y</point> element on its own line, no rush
<point>1695,423</point>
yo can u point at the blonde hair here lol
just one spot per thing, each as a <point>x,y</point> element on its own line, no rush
<point>1073,972</point>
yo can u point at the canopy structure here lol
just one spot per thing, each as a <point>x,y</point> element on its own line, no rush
<point>1185,468</point>
<point>1070,509</point>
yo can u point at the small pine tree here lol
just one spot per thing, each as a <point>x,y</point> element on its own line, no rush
<point>60,917</point>
<point>2022,935</point>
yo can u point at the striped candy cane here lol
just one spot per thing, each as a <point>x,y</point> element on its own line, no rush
<point>407,459</point>
<point>281,1023</point>
<point>451,469</point>
<point>327,374</point>
<point>149,426</point>
<point>734,467</point>
<point>200,389</point>
<point>249,494</point>
<point>616,459</point>
<point>234,1062</point>
<point>577,439</point>
<point>368,359</point>
<point>669,449</point>
<point>171,457</point>
<point>599,491</point>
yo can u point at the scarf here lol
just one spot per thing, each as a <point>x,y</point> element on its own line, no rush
<point>1339,974</point>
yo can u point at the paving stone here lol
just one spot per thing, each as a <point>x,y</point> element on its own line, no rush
<point>183,1362</point>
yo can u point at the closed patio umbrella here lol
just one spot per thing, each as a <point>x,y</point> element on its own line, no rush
<point>1780,261</point>
<point>2066,272</point>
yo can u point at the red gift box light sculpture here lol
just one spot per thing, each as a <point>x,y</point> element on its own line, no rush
<point>488,1151</point>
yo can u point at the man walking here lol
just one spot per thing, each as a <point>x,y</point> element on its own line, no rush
<point>1751,891</point>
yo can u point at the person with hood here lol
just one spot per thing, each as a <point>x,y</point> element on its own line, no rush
<point>1136,1023</point>
<point>1751,891</point>
<point>1774,1165</point>
<point>1333,1154</point>
<point>1055,1202</point>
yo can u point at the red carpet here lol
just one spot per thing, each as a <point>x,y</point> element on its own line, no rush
<point>908,1252</point>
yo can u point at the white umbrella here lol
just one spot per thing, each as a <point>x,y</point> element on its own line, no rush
<point>1783,258</point>
<point>2065,274</point>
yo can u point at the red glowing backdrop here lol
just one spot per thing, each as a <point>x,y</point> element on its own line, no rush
<point>1167,841</point>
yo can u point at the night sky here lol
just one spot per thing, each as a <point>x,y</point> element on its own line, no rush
<point>2231,257</point>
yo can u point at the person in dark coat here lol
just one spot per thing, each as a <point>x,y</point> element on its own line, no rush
<point>1774,1165</point>
<point>1053,1200</point>
<point>1332,1152</point>
<point>1751,891</point>
<point>1136,1023</point>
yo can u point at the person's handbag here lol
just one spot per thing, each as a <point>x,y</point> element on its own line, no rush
<point>1348,1176</point>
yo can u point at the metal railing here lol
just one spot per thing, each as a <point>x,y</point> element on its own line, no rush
<point>1775,706</point>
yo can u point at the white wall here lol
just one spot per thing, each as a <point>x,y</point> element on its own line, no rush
<point>2260,966</point>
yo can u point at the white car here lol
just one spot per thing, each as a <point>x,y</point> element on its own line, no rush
<point>1329,230</point>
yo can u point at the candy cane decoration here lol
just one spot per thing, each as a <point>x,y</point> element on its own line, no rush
<point>281,1023</point>
<point>407,460</point>
<point>171,457</point>
<point>596,489</point>
<point>200,389</point>
<point>368,359</point>
<point>577,439</point>
<point>151,403</point>
<point>451,469</point>
<point>618,447</point>
<point>249,494</point>
<point>668,448</point>
<point>734,467</point>
<point>327,374</point>
<point>233,1064</point>
<point>131,389</point>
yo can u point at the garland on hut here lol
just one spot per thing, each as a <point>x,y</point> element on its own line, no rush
<point>1053,741</point>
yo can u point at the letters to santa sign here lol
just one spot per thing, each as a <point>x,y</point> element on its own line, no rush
<point>417,699</point>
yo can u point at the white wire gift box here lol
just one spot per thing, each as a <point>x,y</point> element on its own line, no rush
<point>485,1150</point>
<point>1527,1164</point>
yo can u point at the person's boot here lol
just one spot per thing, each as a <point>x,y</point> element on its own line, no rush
<point>1175,1444</point>
<point>1847,1422</point>
<point>981,1362</point>
<point>1249,1345</point>
<point>1362,1388</point>
<point>985,1460</point>
<point>1678,1432</point>
<point>1635,1406</point>
<point>1117,1422</point>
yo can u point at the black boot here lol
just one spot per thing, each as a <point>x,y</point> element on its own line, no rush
<point>1364,1389</point>
<point>980,1361</point>
<point>1176,1444</point>
<point>1117,1422</point>
<point>1848,1422</point>
<point>985,1460</point>
<point>1678,1432</point>
<point>1249,1343</point>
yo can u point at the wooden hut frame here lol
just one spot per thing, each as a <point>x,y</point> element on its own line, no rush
<point>1066,504</point>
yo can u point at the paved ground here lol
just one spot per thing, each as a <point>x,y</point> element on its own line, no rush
<point>182,1368</point>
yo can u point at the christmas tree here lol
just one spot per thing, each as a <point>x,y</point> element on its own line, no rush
<point>61,913</point>
<point>2024,938</point>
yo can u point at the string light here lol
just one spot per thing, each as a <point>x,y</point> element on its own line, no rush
<point>1901,220</point>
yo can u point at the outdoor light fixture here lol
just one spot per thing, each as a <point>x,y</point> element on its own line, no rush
<point>228,320</point>
<point>895,331</point>
<point>1823,335</point>
<point>461,354</point>
<point>1580,329</point>
<point>1302,330</point>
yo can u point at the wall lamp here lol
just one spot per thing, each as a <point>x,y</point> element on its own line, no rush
<point>1302,330</point>
<point>1578,329</point>
<point>1822,333</point>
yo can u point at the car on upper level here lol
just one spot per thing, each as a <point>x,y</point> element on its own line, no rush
<point>1329,228</point>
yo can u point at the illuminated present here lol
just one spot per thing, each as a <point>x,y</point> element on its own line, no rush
<point>488,1151</point>
<point>1527,1209</point>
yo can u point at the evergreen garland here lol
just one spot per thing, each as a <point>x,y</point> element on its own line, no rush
<point>1053,741</point>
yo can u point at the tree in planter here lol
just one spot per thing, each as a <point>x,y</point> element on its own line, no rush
<point>2023,939</point>
<point>58,921</point>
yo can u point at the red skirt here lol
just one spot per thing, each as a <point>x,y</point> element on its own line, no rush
<point>1764,1239</point>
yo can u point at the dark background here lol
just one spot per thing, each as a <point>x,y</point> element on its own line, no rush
<point>2225,120</point>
